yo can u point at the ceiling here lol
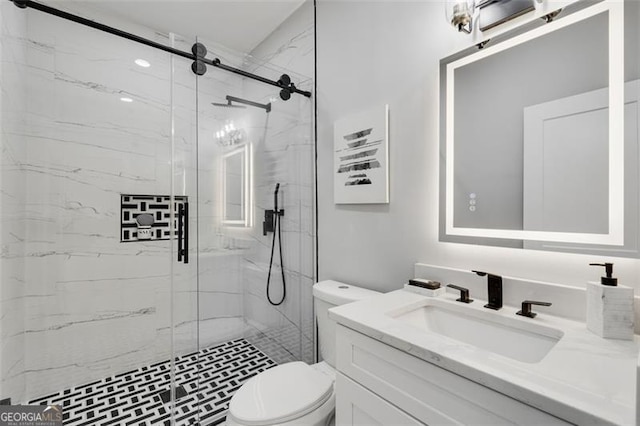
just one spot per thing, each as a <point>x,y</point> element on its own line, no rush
<point>237,24</point>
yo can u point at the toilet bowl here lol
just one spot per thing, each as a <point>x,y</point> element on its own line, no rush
<point>297,393</point>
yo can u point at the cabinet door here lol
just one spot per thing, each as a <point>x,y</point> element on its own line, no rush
<point>356,405</point>
<point>426,391</point>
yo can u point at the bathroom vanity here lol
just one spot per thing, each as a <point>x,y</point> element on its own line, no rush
<point>409,359</point>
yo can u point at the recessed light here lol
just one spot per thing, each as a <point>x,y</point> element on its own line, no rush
<point>142,63</point>
<point>128,100</point>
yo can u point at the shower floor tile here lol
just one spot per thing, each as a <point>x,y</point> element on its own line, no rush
<point>206,382</point>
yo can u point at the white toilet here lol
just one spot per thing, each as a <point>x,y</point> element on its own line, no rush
<point>296,393</point>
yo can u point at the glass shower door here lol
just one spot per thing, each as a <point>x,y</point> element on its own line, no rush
<point>94,304</point>
<point>185,359</point>
<point>233,142</point>
<point>249,141</point>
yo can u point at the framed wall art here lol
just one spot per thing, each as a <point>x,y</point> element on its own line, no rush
<point>361,158</point>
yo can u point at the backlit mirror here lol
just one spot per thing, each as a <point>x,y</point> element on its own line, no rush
<point>236,167</point>
<point>534,129</point>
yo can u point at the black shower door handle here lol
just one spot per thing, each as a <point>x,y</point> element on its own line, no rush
<point>183,232</point>
<point>185,237</point>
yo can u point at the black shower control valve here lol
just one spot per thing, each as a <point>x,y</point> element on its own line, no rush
<point>269,224</point>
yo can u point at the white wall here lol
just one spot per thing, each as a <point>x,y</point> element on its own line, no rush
<point>371,53</point>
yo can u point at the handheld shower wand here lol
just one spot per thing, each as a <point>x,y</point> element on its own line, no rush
<point>271,222</point>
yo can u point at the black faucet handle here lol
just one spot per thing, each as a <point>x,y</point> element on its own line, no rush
<point>464,293</point>
<point>526,308</point>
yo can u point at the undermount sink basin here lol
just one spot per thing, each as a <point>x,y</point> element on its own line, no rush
<point>489,331</point>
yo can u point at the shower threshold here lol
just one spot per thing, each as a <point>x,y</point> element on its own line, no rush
<point>206,381</point>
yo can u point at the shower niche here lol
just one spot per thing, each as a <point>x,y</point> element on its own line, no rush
<point>148,217</point>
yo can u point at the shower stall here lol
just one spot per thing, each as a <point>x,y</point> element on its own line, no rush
<point>133,195</point>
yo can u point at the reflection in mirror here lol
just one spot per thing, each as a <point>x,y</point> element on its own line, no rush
<point>489,147</point>
<point>236,172</point>
<point>532,137</point>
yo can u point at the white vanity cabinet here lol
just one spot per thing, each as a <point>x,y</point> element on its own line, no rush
<point>379,384</point>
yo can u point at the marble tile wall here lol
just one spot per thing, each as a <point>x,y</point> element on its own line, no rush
<point>76,304</point>
<point>96,306</point>
<point>13,27</point>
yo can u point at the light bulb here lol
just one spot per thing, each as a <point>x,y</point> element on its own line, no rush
<point>460,13</point>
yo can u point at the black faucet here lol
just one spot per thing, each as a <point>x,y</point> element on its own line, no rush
<point>526,308</point>
<point>464,293</point>
<point>494,290</point>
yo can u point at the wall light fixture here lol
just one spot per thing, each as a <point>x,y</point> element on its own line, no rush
<point>460,14</point>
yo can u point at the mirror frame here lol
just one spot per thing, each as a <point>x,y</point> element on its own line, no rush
<point>247,201</point>
<point>615,10</point>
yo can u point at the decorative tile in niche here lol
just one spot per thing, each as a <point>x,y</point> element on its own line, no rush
<point>157,211</point>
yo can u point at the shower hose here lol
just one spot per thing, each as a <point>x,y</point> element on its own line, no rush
<point>277,225</point>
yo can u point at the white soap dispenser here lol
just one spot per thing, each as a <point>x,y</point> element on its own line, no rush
<point>610,307</point>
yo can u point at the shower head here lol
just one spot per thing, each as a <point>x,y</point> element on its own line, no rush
<point>231,99</point>
<point>228,105</point>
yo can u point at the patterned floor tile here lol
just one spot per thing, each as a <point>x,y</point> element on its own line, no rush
<point>206,382</point>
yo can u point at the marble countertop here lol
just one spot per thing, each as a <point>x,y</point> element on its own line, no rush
<point>584,379</point>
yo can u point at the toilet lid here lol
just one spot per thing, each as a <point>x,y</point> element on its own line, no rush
<point>280,394</point>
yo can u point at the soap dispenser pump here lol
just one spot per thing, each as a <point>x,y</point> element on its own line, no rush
<point>610,307</point>
<point>608,280</point>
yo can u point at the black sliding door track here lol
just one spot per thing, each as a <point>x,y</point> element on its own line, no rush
<point>198,49</point>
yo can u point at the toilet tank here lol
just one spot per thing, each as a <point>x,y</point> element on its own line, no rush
<point>326,295</point>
